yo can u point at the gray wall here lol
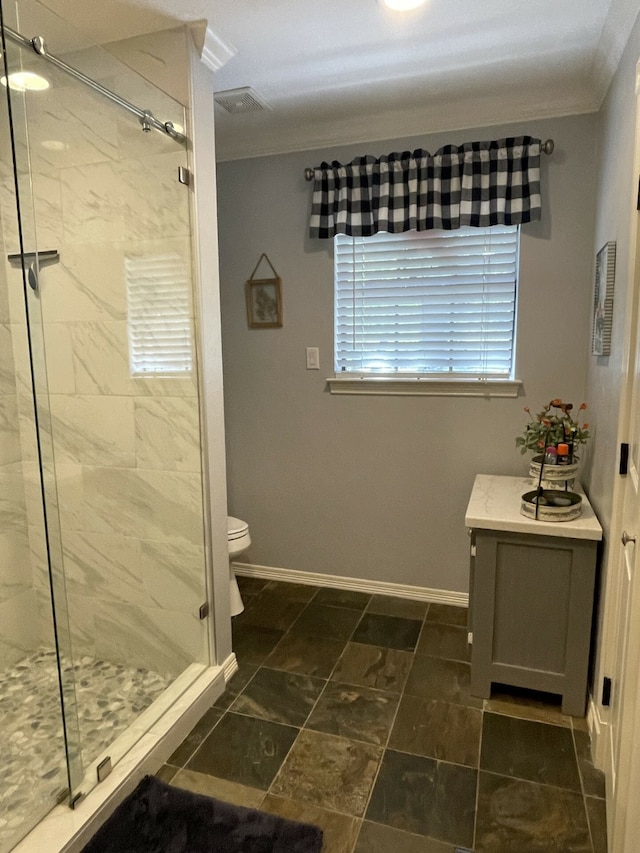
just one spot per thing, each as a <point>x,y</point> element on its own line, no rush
<point>616,192</point>
<point>376,487</point>
<point>615,202</point>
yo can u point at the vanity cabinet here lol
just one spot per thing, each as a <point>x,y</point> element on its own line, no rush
<point>531,594</point>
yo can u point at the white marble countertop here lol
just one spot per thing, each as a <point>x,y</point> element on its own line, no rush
<point>495,505</point>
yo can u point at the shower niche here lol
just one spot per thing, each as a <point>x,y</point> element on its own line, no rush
<point>103,567</point>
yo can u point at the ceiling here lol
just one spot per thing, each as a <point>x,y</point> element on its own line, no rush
<point>340,71</point>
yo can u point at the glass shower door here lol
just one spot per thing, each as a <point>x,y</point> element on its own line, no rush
<point>109,295</point>
<point>39,747</point>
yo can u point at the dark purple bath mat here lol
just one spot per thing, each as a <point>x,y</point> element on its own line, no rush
<point>158,818</point>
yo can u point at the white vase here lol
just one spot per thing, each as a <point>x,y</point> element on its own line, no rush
<point>553,476</point>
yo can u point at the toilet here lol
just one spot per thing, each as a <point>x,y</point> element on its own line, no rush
<point>238,540</point>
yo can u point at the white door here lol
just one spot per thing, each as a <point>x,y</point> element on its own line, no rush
<point>623,778</point>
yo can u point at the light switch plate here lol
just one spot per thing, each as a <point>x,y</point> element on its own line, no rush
<point>313,358</point>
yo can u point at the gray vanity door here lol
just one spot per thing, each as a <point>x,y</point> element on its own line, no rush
<point>532,612</point>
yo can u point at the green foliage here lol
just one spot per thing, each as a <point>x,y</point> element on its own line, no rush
<point>552,426</point>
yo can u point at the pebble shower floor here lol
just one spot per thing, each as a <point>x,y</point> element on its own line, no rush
<point>109,697</point>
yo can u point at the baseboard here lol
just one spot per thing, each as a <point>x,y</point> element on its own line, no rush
<point>230,667</point>
<point>598,733</point>
<point>417,593</point>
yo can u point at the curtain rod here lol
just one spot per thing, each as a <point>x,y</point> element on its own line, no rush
<point>147,119</point>
<point>546,148</point>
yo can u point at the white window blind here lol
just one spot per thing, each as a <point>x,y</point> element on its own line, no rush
<point>436,302</point>
<point>159,315</point>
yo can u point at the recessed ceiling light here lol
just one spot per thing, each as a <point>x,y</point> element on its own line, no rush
<point>21,81</point>
<point>403,5</point>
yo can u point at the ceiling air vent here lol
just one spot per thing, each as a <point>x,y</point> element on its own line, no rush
<point>245,100</point>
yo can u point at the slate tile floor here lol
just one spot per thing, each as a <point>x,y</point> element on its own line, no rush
<point>353,712</point>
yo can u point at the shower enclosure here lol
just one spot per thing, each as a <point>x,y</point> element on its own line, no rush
<point>103,585</point>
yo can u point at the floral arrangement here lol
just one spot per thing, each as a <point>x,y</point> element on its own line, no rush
<point>552,426</point>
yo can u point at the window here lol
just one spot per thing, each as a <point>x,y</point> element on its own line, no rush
<point>159,316</point>
<point>430,304</point>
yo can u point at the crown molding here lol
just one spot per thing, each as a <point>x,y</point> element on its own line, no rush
<point>614,37</point>
<point>288,137</point>
<point>214,51</point>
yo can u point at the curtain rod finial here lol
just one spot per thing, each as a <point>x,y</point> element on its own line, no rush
<point>308,174</point>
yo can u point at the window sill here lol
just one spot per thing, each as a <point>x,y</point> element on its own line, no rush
<point>416,386</point>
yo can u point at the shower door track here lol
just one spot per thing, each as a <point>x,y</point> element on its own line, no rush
<point>146,117</point>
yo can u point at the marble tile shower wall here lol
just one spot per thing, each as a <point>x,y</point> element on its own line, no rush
<point>18,633</point>
<point>126,449</point>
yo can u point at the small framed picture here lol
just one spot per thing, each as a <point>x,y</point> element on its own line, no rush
<point>264,303</point>
<point>603,299</point>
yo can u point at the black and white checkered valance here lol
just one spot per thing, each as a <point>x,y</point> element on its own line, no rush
<point>477,184</point>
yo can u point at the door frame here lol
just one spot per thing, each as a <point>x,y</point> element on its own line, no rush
<point>623,824</point>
